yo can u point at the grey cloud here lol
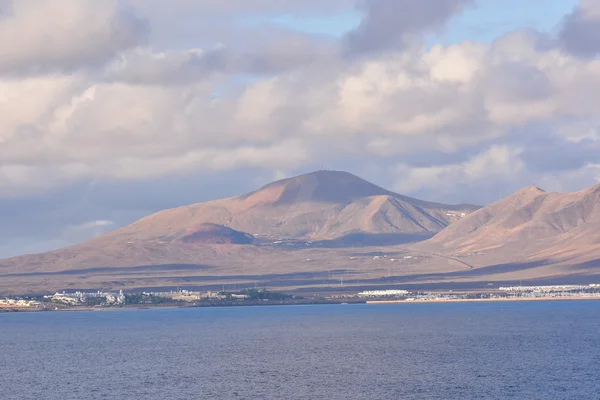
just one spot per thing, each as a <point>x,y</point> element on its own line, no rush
<point>491,174</point>
<point>580,31</point>
<point>89,34</point>
<point>220,7</point>
<point>480,193</point>
<point>141,67</point>
<point>524,41</point>
<point>285,52</point>
<point>516,81</point>
<point>388,24</point>
<point>555,154</point>
<point>431,158</point>
<point>193,23</point>
<point>5,8</point>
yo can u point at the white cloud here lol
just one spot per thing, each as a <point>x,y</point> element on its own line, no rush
<point>497,163</point>
<point>489,176</point>
<point>446,99</point>
<point>101,223</point>
<point>219,8</point>
<point>42,35</point>
<point>86,230</point>
<point>142,113</point>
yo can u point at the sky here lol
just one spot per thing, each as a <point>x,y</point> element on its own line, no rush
<point>111,110</point>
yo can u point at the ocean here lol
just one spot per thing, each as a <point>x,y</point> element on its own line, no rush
<point>505,350</point>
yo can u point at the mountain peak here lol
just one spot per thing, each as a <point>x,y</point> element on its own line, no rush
<point>531,189</point>
<point>321,186</point>
<point>527,192</point>
<point>324,174</point>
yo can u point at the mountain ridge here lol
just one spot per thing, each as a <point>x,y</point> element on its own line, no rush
<point>531,221</point>
<point>331,208</point>
<point>295,231</point>
<point>318,206</point>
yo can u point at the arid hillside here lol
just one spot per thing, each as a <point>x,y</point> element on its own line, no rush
<point>332,230</point>
<point>265,231</point>
<point>323,205</point>
<point>532,228</point>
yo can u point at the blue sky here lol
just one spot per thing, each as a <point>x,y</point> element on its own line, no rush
<point>487,20</point>
<point>490,19</point>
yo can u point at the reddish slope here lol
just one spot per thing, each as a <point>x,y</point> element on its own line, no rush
<point>529,225</point>
<point>321,206</point>
<point>317,206</point>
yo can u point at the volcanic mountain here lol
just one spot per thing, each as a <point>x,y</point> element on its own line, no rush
<point>323,205</point>
<point>298,232</point>
<point>530,225</point>
<point>317,209</point>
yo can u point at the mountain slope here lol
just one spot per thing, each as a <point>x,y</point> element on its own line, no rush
<point>301,231</point>
<point>318,206</point>
<point>529,225</point>
<point>214,234</point>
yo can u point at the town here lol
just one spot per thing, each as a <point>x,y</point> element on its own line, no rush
<point>591,291</point>
<point>188,298</point>
<point>179,298</point>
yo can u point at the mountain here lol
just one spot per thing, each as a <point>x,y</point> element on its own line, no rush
<point>274,229</point>
<point>322,229</point>
<point>323,205</point>
<point>530,226</point>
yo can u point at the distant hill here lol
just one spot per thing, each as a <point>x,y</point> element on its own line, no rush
<point>213,234</point>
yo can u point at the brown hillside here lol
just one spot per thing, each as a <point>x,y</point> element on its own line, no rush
<point>214,234</point>
<point>529,225</point>
<point>317,210</point>
<point>318,206</point>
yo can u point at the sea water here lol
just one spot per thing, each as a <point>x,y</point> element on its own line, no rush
<point>509,350</point>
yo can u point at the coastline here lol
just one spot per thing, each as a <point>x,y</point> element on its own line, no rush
<point>371,302</point>
<point>495,300</point>
<point>172,306</point>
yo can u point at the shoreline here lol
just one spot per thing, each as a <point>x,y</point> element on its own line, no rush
<point>170,306</point>
<point>371,302</point>
<point>495,300</point>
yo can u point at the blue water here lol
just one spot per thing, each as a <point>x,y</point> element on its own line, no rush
<point>516,350</point>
